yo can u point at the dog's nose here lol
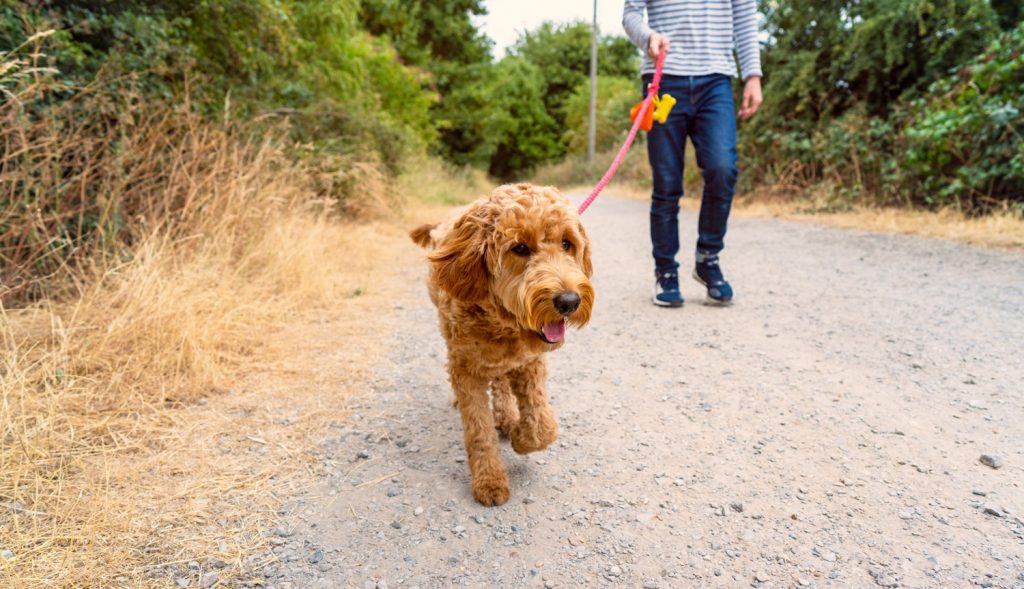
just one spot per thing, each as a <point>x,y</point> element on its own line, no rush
<point>567,302</point>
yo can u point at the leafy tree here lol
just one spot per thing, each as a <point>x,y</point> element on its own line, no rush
<point>826,56</point>
<point>964,141</point>
<point>562,52</point>
<point>615,96</point>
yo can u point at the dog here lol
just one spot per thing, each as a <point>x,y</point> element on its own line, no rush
<point>508,273</point>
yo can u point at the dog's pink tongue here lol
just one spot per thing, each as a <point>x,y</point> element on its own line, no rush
<point>554,331</point>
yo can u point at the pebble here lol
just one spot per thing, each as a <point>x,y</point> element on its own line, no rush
<point>394,491</point>
<point>363,455</point>
<point>737,507</point>
<point>979,492</point>
<point>208,580</point>
<point>614,571</point>
<point>316,556</point>
<point>382,584</point>
<point>761,577</point>
<point>549,584</point>
<point>991,460</point>
<point>992,510</point>
<point>650,584</point>
<point>6,554</point>
<point>284,532</point>
<point>181,582</point>
<point>396,524</point>
<point>418,511</point>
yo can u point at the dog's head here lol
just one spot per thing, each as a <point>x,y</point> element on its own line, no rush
<point>524,250</point>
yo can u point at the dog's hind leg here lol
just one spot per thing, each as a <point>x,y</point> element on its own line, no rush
<point>537,427</point>
<point>503,404</point>
<point>490,481</point>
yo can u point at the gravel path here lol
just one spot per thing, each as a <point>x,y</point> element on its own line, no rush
<point>824,431</point>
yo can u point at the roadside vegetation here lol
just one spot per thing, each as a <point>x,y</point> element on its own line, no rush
<point>182,182</point>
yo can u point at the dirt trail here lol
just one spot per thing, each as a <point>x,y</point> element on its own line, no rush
<point>824,431</point>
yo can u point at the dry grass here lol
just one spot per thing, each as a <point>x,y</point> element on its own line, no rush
<point>163,379</point>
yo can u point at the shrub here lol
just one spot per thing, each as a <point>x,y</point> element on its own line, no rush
<point>964,140</point>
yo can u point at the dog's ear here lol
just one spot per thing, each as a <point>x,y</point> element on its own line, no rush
<point>458,260</point>
<point>421,234</point>
<point>588,266</point>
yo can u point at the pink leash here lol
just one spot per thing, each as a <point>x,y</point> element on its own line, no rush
<point>651,93</point>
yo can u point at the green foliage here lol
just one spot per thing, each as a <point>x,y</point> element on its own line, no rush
<point>827,56</point>
<point>562,52</point>
<point>615,96</point>
<point>852,103</point>
<point>964,139</point>
<point>305,60</point>
<point>522,132</point>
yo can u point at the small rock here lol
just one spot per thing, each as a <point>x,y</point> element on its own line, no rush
<point>528,500</point>
<point>181,582</point>
<point>382,584</point>
<point>396,524</point>
<point>478,518</point>
<point>549,584</point>
<point>828,556</point>
<point>6,554</point>
<point>316,557</point>
<point>459,530</point>
<point>737,507</point>
<point>208,580</point>
<point>886,580</point>
<point>418,511</point>
<point>284,532</point>
<point>193,565</point>
<point>761,577</point>
<point>650,584</point>
<point>394,491</point>
<point>906,515</point>
<point>980,493</point>
<point>991,460</point>
<point>16,506</point>
<point>362,455</point>
<point>992,510</point>
<point>614,571</point>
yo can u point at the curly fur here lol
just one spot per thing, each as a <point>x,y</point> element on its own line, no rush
<point>493,304</point>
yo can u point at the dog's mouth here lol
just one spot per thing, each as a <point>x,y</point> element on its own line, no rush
<point>553,332</point>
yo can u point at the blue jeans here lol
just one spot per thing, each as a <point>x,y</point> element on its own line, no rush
<point>704,112</point>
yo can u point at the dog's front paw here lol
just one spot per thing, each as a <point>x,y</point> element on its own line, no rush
<point>491,491</point>
<point>534,434</point>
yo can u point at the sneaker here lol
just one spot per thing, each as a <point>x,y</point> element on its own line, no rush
<point>666,290</point>
<point>708,273</point>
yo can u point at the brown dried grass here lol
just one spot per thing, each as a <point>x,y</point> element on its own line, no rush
<point>169,284</point>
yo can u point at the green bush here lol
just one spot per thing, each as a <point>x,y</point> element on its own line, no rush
<point>615,96</point>
<point>964,140</point>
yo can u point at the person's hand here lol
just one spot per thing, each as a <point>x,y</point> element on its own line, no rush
<point>655,44</point>
<point>751,97</point>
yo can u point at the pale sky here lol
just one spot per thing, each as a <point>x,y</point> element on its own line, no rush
<point>507,18</point>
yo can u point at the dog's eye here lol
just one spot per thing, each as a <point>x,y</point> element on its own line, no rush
<point>521,249</point>
<point>566,244</point>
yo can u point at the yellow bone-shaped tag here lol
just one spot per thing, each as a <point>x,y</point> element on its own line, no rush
<point>663,107</point>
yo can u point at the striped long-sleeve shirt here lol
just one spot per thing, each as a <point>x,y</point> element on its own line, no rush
<point>702,35</point>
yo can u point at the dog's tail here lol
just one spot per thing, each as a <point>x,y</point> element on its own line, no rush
<point>421,234</point>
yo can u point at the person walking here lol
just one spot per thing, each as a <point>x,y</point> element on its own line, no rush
<point>699,37</point>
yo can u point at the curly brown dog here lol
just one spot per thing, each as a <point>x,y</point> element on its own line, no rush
<point>508,272</point>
